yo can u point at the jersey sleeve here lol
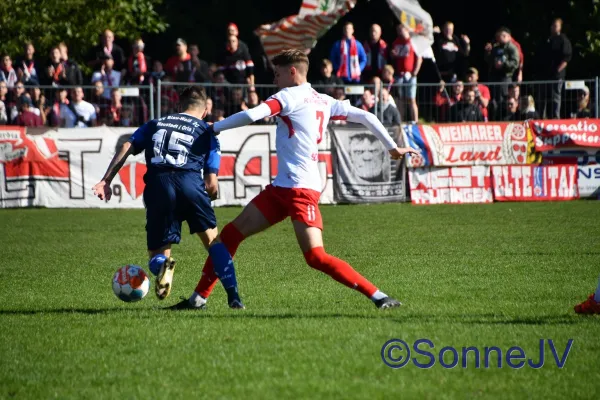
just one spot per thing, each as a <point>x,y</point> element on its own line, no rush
<point>213,160</point>
<point>339,109</point>
<point>139,137</point>
<point>286,102</point>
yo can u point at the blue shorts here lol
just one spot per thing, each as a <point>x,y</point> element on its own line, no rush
<point>407,87</point>
<point>173,197</point>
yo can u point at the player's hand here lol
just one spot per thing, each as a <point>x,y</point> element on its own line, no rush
<point>399,152</point>
<point>102,190</point>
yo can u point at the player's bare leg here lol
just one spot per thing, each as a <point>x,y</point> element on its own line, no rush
<point>310,240</point>
<point>162,266</point>
<point>250,222</point>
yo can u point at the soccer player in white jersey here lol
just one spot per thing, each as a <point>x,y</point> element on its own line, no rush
<point>303,116</point>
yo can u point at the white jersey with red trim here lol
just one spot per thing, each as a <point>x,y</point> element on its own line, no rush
<point>301,124</point>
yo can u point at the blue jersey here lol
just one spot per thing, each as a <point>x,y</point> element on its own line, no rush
<point>177,142</point>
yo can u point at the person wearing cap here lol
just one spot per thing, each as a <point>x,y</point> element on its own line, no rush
<point>583,102</point>
<point>232,29</point>
<point>107,47</point>
<point>482,92</point>
<point>179,67</point>
<point>107,75</point>
<point>27,117</point>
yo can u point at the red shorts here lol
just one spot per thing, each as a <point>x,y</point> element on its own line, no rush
<point>278,203</point>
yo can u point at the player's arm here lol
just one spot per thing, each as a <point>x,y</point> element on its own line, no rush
<point>343,110</point>
<point>211,169</point>
<point>269,108</point>
<point>102,189</point>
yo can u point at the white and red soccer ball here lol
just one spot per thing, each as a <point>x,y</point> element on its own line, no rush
<point>130,283</point>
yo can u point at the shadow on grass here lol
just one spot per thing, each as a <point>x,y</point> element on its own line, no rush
<point>396,316</point>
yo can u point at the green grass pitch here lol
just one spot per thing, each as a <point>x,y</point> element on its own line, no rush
<point>482,275</point>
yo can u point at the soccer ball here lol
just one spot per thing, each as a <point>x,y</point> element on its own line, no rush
<point>131,283</point>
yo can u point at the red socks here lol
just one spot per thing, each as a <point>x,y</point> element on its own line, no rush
<point>339,270</point>
<point>231,238</point>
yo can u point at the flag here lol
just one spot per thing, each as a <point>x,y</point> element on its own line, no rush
<point>410,13</point>
<point>302,31</point>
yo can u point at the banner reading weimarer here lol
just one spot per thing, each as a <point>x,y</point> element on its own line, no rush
<point>567,133</point>
<point>433,185</point>
<point>447,145</point>
<point>59,168</point>
<point>363,170</point>
<point>535,183</point>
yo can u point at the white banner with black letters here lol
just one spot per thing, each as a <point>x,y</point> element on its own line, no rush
<point>363,171</point>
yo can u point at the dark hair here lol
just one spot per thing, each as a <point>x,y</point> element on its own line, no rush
<point>503,29</point>
<point>348,23</point>
<point>290,57</point>
<point>192,97</point>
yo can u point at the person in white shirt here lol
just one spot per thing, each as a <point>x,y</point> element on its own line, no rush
<point>78,113</point>
<point>303,117</point>
<point>107,75</point>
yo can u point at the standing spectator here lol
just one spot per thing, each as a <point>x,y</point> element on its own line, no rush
<point>467,110</point>
<point>236,101</point>
<point>107,75</point>
<point>348,56</point>
<point>387,77</point>
<point>407,65</point>
<point>200,71</point>
<point>7,72</point>
<point>390,116</point>
<point>3,92</point>
<point>179,66</point>
<point>339,94</point>
<point>100,103</point>
<point>210,117</point>
<point>236,63</point>
<point>74,76</point>
<point>366,101</point>
<point>61,99</point>
<point>518,76</point>
<point>26,116</point>
<point>232,29</point>
<point>77,113</point>
<point>583,102</point>
<point>56,70</point>
<point>527,108</point>
<point>444,101</point>
<point>3,103</point>
<point>555,54</point>
<point>511,112</point>
<point>107,47</point>
<point>157,73</point>
<point>26,67</point>
<point>12,108</point>
<point>117,113</point>
<point>482,92</point>
<point>376,51</point>
<point>39,103</point>
<point>254,101</point>
<point>450,52</point>
<point>503,60</point>
<point>327,77</point>
<point>137,64</point>
<point>3,115</point>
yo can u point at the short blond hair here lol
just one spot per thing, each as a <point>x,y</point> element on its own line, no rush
<point>389,68</point>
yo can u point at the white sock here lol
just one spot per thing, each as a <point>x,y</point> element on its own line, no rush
<point>196,300</point>
<point>597,292</point>
<point>378,295</point>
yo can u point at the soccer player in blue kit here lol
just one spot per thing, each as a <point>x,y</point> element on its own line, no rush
<point>177,148</point>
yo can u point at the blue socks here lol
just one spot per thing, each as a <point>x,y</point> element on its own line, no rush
<point>224,269</point>
<point>156,262</point>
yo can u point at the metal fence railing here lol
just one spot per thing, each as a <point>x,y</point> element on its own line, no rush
<point>456,102</point>
<point>113,106</point>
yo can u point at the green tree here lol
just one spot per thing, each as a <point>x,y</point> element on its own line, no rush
<point>76,22</point>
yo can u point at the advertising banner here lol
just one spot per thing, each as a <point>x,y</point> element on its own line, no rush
<point>457,185</point>
<point>535,183</point>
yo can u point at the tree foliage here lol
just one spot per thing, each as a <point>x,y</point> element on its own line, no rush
<point>76,22</point>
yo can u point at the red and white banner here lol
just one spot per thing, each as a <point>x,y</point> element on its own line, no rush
<point>447,145</point>
<point>59,168</point>
<point>565,133</point>
<point>456,185</point>
<point>535,182</point>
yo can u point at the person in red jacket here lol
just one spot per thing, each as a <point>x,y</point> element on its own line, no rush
<point>27,117</point>
<point>407,64</point>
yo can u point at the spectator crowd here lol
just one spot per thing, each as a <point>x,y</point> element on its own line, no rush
<point>33,93</point>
